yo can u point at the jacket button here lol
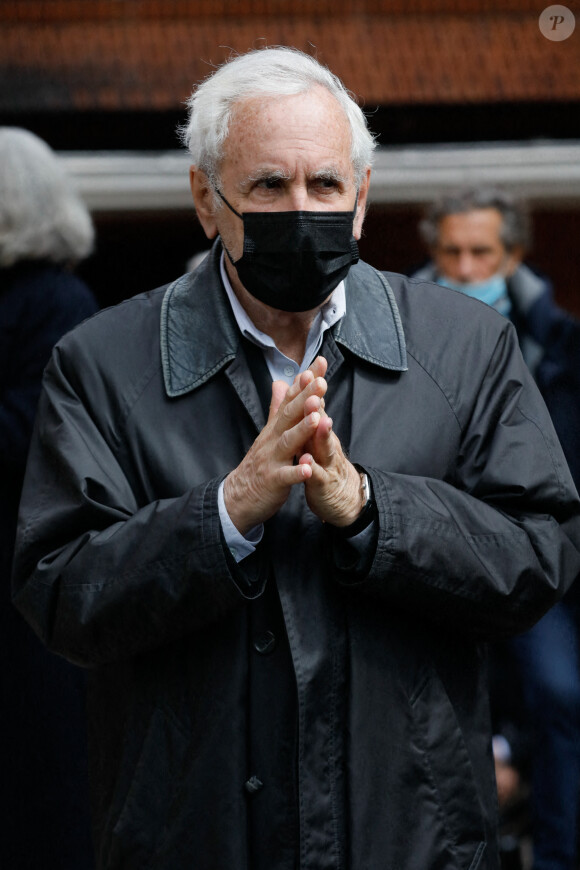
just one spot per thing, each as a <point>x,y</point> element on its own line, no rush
<point>253,785</point>
<point>265,643</point>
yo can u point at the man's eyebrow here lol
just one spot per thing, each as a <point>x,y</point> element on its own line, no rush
<point>329,174</point>
<point>266,174</point>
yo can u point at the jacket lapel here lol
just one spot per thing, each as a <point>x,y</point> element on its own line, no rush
<point>372,330</point>
<point>372,327</point>
<point>199,335</point>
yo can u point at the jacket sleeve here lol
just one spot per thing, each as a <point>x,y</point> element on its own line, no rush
<point>489,552</point>
<point>98,575</point>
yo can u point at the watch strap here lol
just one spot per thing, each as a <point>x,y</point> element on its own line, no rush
<point>367,514</point>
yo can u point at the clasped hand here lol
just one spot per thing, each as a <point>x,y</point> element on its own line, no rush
<point>296,446</point>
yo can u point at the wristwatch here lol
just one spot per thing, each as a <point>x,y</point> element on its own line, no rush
<point>368,512</point>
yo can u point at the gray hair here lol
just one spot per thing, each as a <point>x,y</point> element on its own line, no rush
<point>41,215</point>
<point>515,228</point>
<point>269,72</point>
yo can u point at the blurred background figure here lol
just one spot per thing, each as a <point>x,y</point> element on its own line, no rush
<point>44,231</point>
<point>477,239</point>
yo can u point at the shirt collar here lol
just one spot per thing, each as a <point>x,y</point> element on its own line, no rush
<point>330,313</point>
<point>199,335</point>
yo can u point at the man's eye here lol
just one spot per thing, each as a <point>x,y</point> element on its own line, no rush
<point>269,183</point>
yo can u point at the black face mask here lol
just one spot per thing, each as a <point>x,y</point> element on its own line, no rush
<point>293,260</point>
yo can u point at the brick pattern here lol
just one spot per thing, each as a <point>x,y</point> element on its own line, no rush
<point>147,54</point>
<point>105,10</point>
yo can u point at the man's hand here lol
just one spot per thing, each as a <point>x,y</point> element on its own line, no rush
<point>333,489</point>
<point>260,485</point>
<point>509,784</point>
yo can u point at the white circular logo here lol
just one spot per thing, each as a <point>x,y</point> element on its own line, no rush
<point>557,23</point>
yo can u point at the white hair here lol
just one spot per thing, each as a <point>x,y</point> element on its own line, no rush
<point>515,228</point>
<point>41,215</point>
<point>269,72</point>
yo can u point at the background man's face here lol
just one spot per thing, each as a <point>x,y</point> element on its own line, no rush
<point>286,154</point>
<point>470,249</point>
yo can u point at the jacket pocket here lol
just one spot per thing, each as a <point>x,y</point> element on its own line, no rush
<point>153,797</point>
<point>449,784</point>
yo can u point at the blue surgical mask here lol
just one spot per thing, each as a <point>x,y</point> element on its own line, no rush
<point>493,291</point>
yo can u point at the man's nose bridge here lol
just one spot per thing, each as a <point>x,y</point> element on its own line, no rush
<point>298,197</point>
<point>465,263</point>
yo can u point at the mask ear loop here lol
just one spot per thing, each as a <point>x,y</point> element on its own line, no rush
<point>354,251</point>
<point>231,208</point>
<point>237,214</point>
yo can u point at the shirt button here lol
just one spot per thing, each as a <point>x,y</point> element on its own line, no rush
<point>289,371</point>
<point>265,643</point>
<point>253,785</point>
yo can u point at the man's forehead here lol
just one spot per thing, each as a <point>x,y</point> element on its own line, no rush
<point>313,120</point>
<point>249,106</point>
<point>485,222</point>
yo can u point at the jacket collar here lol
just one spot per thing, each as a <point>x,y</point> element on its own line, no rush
<point>372,328</point>
<point>199,335</point>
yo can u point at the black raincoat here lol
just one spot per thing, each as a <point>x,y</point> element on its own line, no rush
<point>288,712</point>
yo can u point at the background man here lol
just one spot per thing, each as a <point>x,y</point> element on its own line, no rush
<point>276,507</point>
<point>477,238</point>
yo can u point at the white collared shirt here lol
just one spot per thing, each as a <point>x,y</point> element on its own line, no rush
<point>281,368</point>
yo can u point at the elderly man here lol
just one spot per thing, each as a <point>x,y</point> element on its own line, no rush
<point>477,238</point>
<point>278,506</point>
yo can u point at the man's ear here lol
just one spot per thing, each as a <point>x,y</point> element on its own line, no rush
<point>514,258</point>
<point>203,199</point>
<point>361,205</point>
